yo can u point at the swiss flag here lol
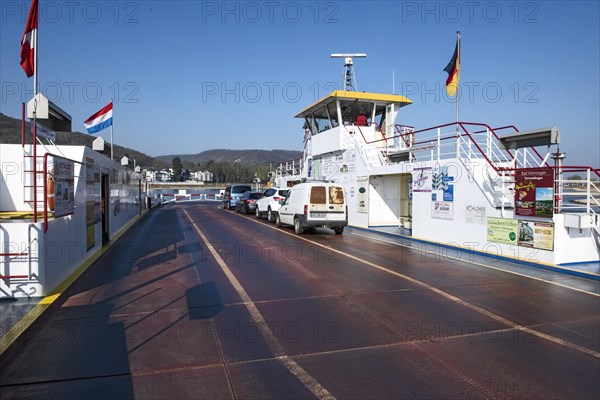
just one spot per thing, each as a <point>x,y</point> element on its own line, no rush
<point>30,40</point>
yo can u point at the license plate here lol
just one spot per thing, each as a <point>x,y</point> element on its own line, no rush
<point>318,215</point>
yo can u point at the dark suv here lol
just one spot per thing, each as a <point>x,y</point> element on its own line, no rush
<point>233,193</point>
<point>247,202</point>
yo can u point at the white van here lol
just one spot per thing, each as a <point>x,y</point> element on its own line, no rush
<point>312,205</point>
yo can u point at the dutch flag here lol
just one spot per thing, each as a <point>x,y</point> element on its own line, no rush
<point>102,119</point>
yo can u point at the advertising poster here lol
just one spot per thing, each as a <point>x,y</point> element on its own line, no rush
<point>422,179</point>
<point>532,234</point>
<point>534,192</point>
<point>442,194</point>
<point>362,194</point>
<point>502,230</point>
<point>442,209</point>
<point>537,235</point>
<point>64,187</point>
<point>475,214</point>
<point>346,162</point>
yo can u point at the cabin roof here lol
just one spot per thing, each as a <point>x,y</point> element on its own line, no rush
<point>378,98</point>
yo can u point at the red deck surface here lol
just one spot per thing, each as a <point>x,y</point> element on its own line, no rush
<point>158,317</point>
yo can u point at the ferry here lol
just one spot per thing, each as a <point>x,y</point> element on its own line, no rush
<point>466,185</point>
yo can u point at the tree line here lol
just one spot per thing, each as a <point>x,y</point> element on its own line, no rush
<point>223,171</point>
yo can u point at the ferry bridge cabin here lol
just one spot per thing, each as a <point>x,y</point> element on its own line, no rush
<point>467,185</point>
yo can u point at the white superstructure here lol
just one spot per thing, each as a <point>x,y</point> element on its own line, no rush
<point>465,185</point>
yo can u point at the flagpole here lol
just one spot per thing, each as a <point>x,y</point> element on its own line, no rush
<point>458,81</point>
<point>34,139</point>
<point>35,64</point>
<point>111,131</point>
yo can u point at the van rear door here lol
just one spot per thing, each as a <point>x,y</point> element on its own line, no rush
<point>336,204</point>
<point>317,202</point>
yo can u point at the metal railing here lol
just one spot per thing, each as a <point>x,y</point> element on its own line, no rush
<point>24,256</point>
<point>167,198</point>
<point>469,141</point>
<point>583,195</point>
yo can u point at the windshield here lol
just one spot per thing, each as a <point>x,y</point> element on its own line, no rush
<point>240,189</point>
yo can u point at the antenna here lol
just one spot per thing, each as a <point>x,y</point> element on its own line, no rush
<point>349,78</point>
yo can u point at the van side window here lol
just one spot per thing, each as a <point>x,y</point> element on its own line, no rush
<point>318,195</point>
<point>336,195</point>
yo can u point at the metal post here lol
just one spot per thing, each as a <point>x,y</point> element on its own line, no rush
<point>589,192</point>
<point>439,142</point>
<point>558,200</point>
<point>111,129</point>
<point>22,124</point>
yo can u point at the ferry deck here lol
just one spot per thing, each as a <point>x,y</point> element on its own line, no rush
<point>193,301</point>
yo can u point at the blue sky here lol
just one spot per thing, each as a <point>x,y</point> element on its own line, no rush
<point>190,76</point>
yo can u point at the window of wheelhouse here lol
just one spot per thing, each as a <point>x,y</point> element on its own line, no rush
<point>333,117</point>
<point>379,117</point>
<point>321,119</point>
<point>351,109</point>
<point>309,125</point>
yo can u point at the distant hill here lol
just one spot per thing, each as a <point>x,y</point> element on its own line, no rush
<point>244,156</point>
<point>10,132</point>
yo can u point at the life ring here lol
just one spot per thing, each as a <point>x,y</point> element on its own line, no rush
<point>50,192</point>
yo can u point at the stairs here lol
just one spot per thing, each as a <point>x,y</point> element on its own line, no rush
<point>497,186</point>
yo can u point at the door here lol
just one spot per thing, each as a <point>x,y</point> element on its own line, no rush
<point>105,202</point>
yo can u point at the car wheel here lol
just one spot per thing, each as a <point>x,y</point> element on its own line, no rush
<point>338,231</point>
<point>257,213</point>
<point>297,228</point>
<point>270,216</point>
<point>278,221</point>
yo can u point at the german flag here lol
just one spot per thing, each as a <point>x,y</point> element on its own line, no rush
<point>453,69</point>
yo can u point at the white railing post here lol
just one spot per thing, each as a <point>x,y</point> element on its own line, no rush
<point>439,142</point>
<point>488,143</point>
<point>501,176</point>
<point>589,192</point>
<point>457,142</point>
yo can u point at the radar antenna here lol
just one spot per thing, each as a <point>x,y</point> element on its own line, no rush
<point>349,78</point>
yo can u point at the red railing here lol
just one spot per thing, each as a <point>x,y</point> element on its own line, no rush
<point>24,253</point>
<point>516,130</point>
<point>469,135</point>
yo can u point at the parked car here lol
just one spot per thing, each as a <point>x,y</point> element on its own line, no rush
<point>270,202</point>
<point>313,205</point>
<point>247,202</point>
<point>233,193</point>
